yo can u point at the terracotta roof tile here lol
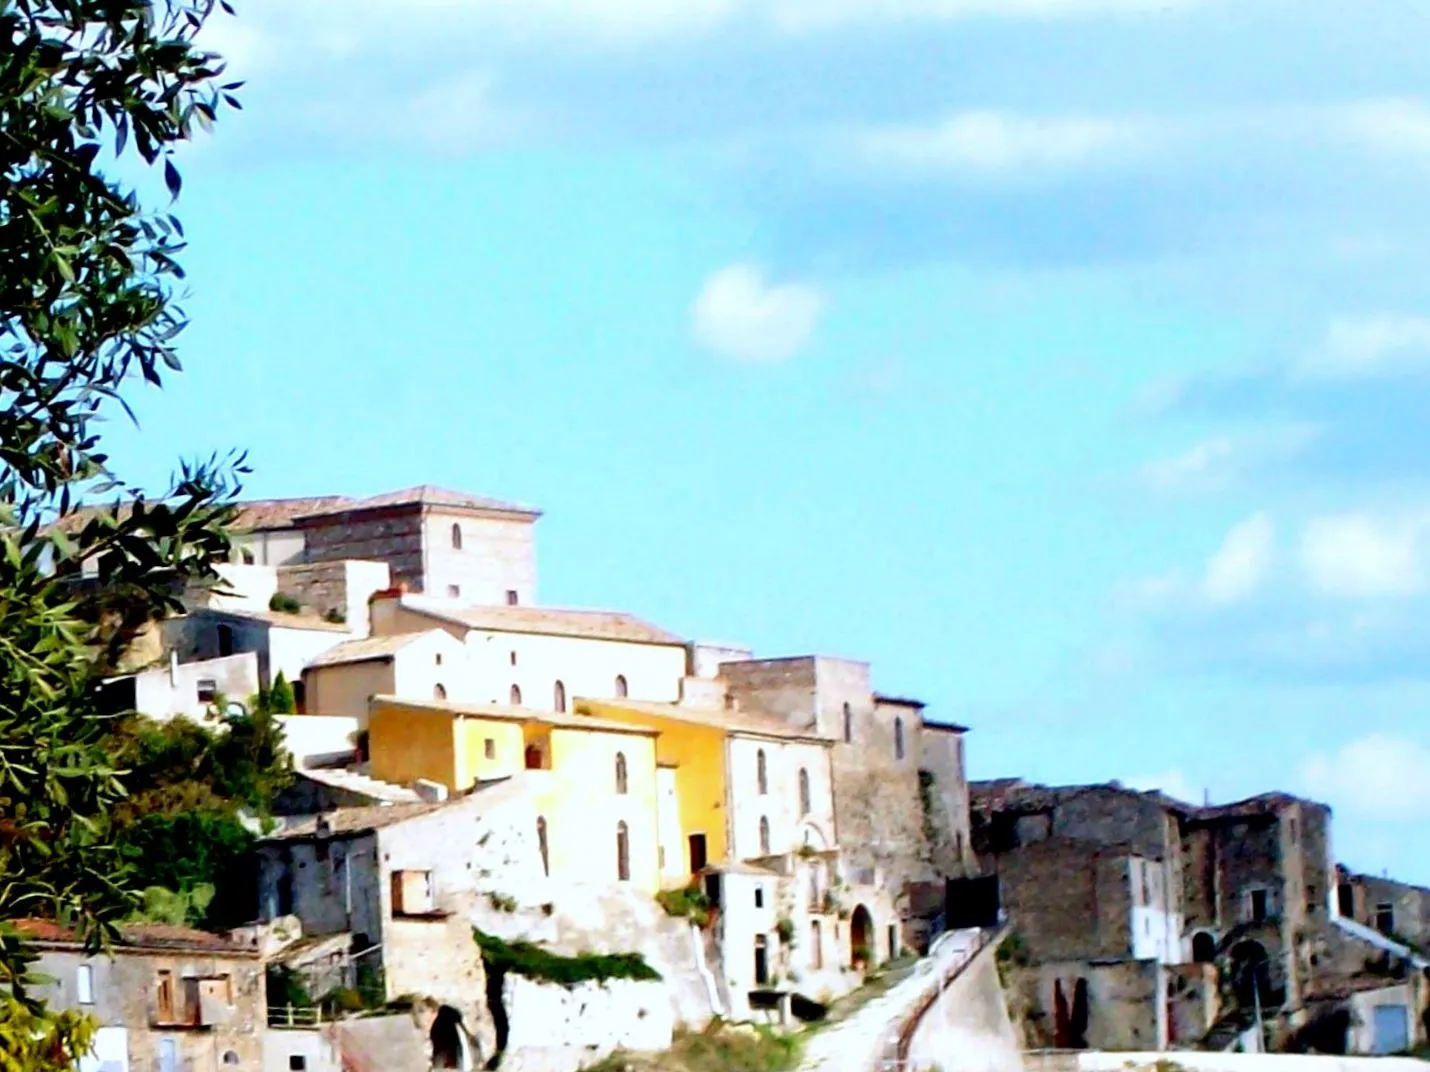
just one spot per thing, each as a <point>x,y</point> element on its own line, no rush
<point>367,649</point>
<point>595,624</point>
<point>137,936</point>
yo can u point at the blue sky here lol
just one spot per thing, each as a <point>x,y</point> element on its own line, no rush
<point>1067,359</point>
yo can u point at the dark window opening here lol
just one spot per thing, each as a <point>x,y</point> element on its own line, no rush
<point>446,1038</point>
<point>623,852</point>
<point>898,738</point>
<point>456,537</point>
<point>439,691</point>
<point>816,946</point>
<point>208,690</point>
<point>511,597</point>
<point>622,689</point>
<point>489,748</point>
<point>698,857</point>
<point>764,836</point>
<point>1259,907</point>
<point>515,696</point>
<point>621,779</point>
<point>454,591</point>
<point>848,724</point>
<point>759,897</point>
<point>1385,917</point>
<point>1346,900</point>
<point>762,960</point>
<point>1203,948</point>
<point>560,696</point>
<point>542,845</point>
<point>762,778</point>
<point>803,792</point>
<point>225,640</point>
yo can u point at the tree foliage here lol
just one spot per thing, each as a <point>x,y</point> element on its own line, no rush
<point>88,88</point>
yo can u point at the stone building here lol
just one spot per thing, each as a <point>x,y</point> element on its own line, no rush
<point>899,782</point>
<point>165,998</point>
<point>1395,909</point>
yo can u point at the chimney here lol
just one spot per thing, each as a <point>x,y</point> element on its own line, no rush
<point>397,591</point>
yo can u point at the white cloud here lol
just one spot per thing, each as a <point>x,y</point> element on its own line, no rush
<point>1360,556</point>
<point>1239,566</point>
<point>738,314</point>
<point>1219,462</point>
<point>1399,127</point>
<point>1367,347</point>
<point>990,142</point>
<point>1378,776</point>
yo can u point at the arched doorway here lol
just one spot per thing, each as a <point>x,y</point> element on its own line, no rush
<point>449,1046</point>
<point>1203,948</point>
<point>1251,974</point>
<point>861,938</point>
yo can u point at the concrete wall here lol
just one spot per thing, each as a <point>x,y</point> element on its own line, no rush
<point>555,1029</point>
<point>124,988</point>
<point>780,804</point>
<point>344,587</point>
<point>318,737</point>
<point>173,690</point>
<point>497,556</point>
<point>436,658</point>
<point>317,1051</point>
<point>968,1029</point>
<point>244,587</point>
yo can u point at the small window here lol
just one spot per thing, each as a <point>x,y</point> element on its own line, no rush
<point>803,792</point>
<point>84,985</point>
<point>297,1063</point>
<point>456,537</point>
<point>1294,831</point>
<point>621,780</point>
<point>898,738</point>
<point>848,724</point>
<point>1259,908</point>
<point>513,658</point>
<point>489,748</point>
<point>541,844</point>
<point>439,691</point>
<point>1146,884</point>
<point>560,697</point>
<point>759,896</point>
<point>164,997</point>
<point>623,852</point>
<point>622,690</point>
<point>246,556</point>
<point>816,946</point>
<point>762,777</point>
<point>230,1058</point>
<point>208,690</point>
<point>413,893</point>
<point>1385,917</point>
<point>764,836</point>
<point>515,695</point>
<point>454,591</point>
<point>439,658</point>
<point>511,597</point>
<point>1346,900</point>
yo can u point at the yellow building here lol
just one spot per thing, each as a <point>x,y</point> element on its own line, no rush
<point>593,780</point>
<point>730,785</point>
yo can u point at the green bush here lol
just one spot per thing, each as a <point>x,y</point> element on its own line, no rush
<point>687,903</point>
<point>533,962</point>
<point>286,987</point>
<point>342,999</point>
<point>284,603</point>
<point>280,697</point>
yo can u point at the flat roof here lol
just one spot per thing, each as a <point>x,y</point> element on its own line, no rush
<point>507,713</point>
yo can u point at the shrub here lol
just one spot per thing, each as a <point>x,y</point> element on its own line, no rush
<point>502,902</point>
<point>688,903</point>
<point>280,697</point>
<point>336,615</point>
<point>283,603</point>
<point>286,987</point>
<point>784,927</point>
<point>533,962</point>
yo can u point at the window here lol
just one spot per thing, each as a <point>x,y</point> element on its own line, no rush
<point>208,690</point>
<point>456,536</point>
<point>1292,824</point>
<point>898,738</point>
<point>622,690</point>
<point>764,836</point>
<point>848,724</point>
<point>1313,899</point>
<point>454,591</point>
<point>489,748</point>
<point>1346,900</point>
<point>1203,948</point>
<point>515,695</point>
<point>698,853</point>
<point>560,697</point>
<point>762,777</point>
<point>230,1058</point>
<point>439,659</point>
<point>762,960</point>
<point>225,640</point>
<point>623,852</point>
<point>84,985</point>
<point>1146,884</point>
<point>164,997</point>
<point>816,946</point>
<point>1258,908</point>
<point>621,785</point>
<point>759,895</point>
<point>1385,917</point>
<point>958,847</point>
<point>803,791</point>
<point>511,597</point>
<point>297,1063</point>
<point>413,893</point>
<point>513,658</point>
<point>246,556</point>
<point>542,846</point>
<point>439,691</point>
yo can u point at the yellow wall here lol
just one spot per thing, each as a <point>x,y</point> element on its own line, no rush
<point>698,754</point>
<point>407,744</point>
<point>345,689</point>
<point>473,765</point>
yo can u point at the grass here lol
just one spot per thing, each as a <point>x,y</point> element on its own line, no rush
<point>719,1048</point>
<point>533,962</point>
<point>688,903</point>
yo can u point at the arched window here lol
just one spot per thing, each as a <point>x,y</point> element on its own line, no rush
<point>225,640</point>
<point>764,836</point>
<point>803,791</point>
<point>456,536</point>
<point>516,695</point>
<point>816,946</point>
<point>621,782</point>
<point>439,691</point>
<point>622,689</point>
<point>898,738</point>
<point>560,697</point>
<point>541,845</point>
<point>848,724</point>
<point>623,852</point>
<point>762,775</point>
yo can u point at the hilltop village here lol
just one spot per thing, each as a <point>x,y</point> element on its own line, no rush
<point>540,835</point>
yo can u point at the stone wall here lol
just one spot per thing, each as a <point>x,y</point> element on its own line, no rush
<point>1067,900</point>
<point>944,787</point>
<point>560,1029</point>
<point>393,536</point>
<point>968,1029</point>
<point>1123,999</point>
<point>338,589</point>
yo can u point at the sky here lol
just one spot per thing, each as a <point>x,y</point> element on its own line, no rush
<point>1067,360</point>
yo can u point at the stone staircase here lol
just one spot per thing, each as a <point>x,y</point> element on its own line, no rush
<point>868,1041</point>
<point>356,781</point>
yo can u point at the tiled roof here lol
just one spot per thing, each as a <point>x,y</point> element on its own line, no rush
<point>422,495</point>
<point>366,649</point>
<point>594,624</point>
<point>739,722</point>
<point>1014,794</point>
<point>281,513</point>
<point>899,701</point>
<point>342,821</point>
<point>508,713</point>
<point>137,936</point>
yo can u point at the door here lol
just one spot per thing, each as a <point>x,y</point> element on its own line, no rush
<point>1392,1030</point>
<point>697,853</point>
